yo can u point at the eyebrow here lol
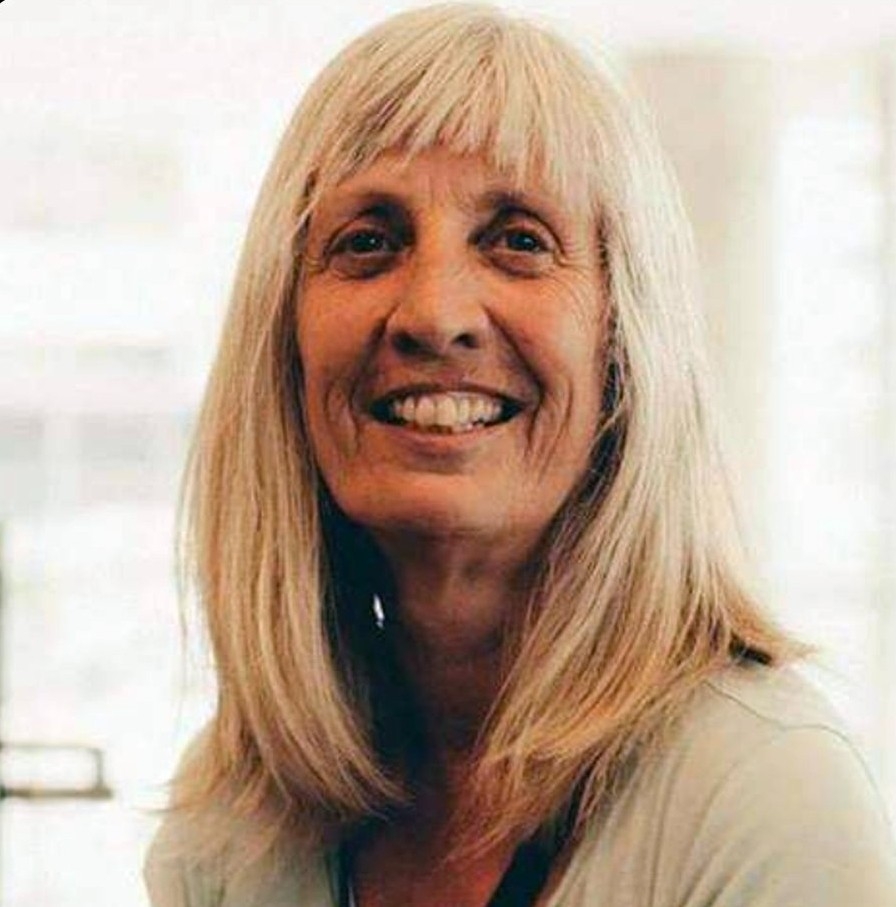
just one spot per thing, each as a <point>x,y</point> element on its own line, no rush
<point>505,199</point>
<point>383,204</point>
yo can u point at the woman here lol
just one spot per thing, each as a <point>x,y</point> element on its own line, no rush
<point>461,530</point>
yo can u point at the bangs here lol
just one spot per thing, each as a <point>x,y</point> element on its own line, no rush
<point>469,83</point>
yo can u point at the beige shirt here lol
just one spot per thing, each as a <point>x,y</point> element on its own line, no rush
<point>758,800</point>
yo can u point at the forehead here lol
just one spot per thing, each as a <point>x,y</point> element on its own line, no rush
<point>439,176</point>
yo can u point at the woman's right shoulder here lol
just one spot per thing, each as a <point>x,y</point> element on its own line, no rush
<point>173,877</point>
<point>176,873</point>
<point>176,877</point>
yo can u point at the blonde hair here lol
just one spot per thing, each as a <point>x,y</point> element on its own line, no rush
<point>640,595</point>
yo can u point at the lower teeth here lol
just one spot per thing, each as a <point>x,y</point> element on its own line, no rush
<point>447,429</point>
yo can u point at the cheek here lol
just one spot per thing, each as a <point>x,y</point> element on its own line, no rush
<point>564,339</point>
<point>325,353</point>
<point>328,340</point>
<point>319,333</point>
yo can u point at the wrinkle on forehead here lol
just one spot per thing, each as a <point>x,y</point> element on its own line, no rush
<point>436,183</point>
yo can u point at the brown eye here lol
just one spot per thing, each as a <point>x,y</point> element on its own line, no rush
<point>519,240</point>
<point>364,242</point>
<point>520,249</point>
<point>364,252</point>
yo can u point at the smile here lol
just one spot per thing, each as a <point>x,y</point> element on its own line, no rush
<point>445,412</point>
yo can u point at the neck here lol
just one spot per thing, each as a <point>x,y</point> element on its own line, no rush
<point>451,609</point>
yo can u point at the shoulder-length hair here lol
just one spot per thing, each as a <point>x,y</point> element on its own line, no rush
<point>640,592</point>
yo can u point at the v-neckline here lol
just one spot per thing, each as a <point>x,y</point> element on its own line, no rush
<point>341,890</point>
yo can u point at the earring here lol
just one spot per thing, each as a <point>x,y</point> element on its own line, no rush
<point>379,615</point>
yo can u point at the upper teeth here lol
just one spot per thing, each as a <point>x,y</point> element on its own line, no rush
<point>452,411</point>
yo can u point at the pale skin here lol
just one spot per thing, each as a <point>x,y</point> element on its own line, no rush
<point>441,278</point>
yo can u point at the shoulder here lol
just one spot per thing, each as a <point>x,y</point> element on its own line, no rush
<point>176,875</point>
<point>792,800</point>
<point>749,718</point>
<point>176,878</point>
<point>173,877</point>
<point>765,698</point>
<point>757,797</point>
<point>736,713</point>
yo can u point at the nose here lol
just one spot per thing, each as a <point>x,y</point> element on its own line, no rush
<point>439,311</point>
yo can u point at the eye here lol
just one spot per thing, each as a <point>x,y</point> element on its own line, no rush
<point>364,241</point>
<point>363,252</point>
<point>524,249</point>
<point>517,239</point>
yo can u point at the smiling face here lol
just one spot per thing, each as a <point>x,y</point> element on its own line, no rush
<point>451,331</point>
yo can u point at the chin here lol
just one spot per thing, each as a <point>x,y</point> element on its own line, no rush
<point>412,508</point>
<point>480,528</point>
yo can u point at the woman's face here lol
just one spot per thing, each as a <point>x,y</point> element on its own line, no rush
<point>451,331</point>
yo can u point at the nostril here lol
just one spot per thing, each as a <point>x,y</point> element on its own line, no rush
<point>410,344</point>
<point>407,344</point>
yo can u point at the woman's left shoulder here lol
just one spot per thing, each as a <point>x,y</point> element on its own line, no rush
<point>789,811</point>
<point>748,715</point>
<point>782,807</point>
<point>774,697</point>
<point>758,797</point>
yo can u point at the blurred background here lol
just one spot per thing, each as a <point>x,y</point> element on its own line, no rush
<point>133,138</point>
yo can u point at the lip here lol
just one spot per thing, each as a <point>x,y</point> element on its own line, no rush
<point>440,387</point>
<point>441,450</point>
<point>447,449</point>
<point>377,406</point>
